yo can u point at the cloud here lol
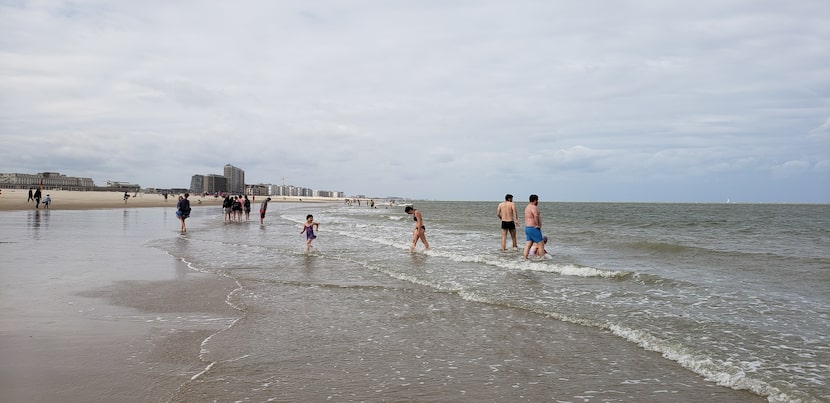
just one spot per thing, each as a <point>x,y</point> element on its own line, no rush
<point>427,99</point>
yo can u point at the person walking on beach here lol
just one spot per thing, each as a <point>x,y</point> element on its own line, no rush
<point>183,210</point>
<point>533,227</point>
<point>37,197</point>
<point>246,205</point>
<point>509,219</point>
<point>31,197</point>
<point>47,201</point>
<point>126,196</point>
<point>308,228</point>
<point>420,230</point>
<point>262,208</point>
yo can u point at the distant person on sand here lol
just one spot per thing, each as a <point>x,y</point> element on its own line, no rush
<point>183,210</point>
<point>246,205</point>
<point>262,208</point>
<point>47,201</point>
<point>31,197</point>
<point>126,196</point>
<point>37,197</point>
<point>533,227</point>
<point>509,219</point>
<point>420,230</point>
<point>308,228</point>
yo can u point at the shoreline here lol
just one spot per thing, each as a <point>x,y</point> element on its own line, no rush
<point>16,199</point>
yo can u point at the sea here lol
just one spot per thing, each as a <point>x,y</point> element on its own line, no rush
<point>635,302</point>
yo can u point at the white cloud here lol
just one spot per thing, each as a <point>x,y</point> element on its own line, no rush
<point>423,99</point>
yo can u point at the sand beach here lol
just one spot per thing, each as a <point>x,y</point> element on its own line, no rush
<point>16,199</point>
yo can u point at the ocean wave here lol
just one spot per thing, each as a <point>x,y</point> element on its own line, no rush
<point>735,375</point>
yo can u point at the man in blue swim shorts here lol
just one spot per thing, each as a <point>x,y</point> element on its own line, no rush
<point>533,227</point>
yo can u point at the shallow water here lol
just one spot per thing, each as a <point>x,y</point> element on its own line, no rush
<point>639,302</point>
<point>735,293</point>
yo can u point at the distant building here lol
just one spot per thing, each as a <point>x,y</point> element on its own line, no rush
<point>49,180</point>
<point>216,184</point>
<point>209,184</point>
<point>331,193</point>
<point>122,185</point>
<point>236,179</point>
<point>258,190</point>
<point>233,182</point>
<point>197,184</point>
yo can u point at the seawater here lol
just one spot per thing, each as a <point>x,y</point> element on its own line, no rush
<point>736,293</point>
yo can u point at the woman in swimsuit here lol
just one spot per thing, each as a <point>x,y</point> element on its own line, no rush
<point>308,228</point>
<point>420,230</point>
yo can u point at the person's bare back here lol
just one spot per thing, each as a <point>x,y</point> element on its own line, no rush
<point>532,218</point>
<point>507,211</point>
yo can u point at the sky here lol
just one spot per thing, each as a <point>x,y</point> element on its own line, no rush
<point>607,101</point>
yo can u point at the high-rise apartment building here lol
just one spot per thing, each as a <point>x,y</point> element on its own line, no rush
<point>236,179</point>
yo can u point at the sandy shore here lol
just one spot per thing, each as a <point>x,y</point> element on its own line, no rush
<point>16,199</point>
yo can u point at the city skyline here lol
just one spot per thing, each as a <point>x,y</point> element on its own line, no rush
<point>233,182</point>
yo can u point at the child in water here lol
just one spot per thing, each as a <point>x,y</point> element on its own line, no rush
<point>308,228</point>
<point>534,250</point>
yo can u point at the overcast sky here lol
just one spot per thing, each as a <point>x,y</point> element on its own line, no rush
<point>641,100</point>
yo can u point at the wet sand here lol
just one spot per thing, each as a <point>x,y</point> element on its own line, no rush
<point>91,314</point>
<point>134,340</point>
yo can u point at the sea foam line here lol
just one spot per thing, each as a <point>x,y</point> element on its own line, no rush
<point>203,351</point>
<point>723,373</point>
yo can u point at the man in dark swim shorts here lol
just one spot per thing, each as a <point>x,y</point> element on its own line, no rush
<point>509,218</point>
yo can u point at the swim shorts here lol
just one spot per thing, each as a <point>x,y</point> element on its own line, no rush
<point>533,234</point>
<point>508,225</point>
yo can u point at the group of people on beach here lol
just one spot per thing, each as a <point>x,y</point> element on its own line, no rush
<point>35,196</point>
<point>235,206</point>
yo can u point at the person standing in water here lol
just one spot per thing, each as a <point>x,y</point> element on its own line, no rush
<point>533,228</point>
<point>308,228</point>
<point>509,219</point>
<point>183,210</point>
<point>262,208</point>
<point>246,206</point>
<point>420,230</point>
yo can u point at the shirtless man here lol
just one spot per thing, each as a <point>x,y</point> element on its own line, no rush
<point>509,219</point>
<point>533,227</point>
